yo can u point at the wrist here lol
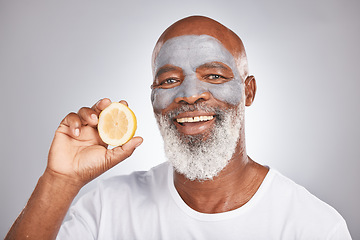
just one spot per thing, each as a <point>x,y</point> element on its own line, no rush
<point>61,182</point>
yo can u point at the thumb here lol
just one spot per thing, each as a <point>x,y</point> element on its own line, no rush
<point>119,154</point>
<point>131,145</point>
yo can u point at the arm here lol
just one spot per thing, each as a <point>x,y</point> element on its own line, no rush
<point>45,210</point>
<point>77,155</point>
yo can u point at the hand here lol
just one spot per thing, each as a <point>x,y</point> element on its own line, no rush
<point>77,151</point>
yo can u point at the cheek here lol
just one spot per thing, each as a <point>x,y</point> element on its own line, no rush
<point>230,92</point>
<point>162,98</point>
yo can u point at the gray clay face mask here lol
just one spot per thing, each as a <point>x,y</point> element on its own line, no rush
<point>188,52</point>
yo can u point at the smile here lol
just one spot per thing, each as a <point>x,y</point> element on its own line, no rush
<point>192,123</point>
<point>194,119</point>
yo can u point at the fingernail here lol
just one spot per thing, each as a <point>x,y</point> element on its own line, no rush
<point>93,116</point>
<point>77,132</point>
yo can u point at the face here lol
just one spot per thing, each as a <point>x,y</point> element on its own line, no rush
<point>190,65</point>
<point>187,69</point>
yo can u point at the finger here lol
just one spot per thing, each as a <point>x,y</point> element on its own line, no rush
<point>101,105</point>
<point>73,122</point>
<point>132,144</point>
<point>119,154</point>
<point>88,116</point>
<point>124,102</point>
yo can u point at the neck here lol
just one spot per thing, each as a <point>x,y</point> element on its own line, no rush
<point>231,189</point>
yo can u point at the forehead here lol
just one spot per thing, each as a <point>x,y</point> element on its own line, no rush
<point>191,51</point>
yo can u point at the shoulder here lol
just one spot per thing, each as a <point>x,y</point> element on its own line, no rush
<point>123,192</point>
<point>302,206</point>
<point>300,196</point>
<point>138,181</point>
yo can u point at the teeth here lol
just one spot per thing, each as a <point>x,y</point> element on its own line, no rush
<point>194,119</point>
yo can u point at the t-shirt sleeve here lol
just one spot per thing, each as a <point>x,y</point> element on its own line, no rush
<point>340,232</point>
<point>74,228</point>
<point>82,220</point>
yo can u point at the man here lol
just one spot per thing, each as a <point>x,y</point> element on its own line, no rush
<point>210,189</point>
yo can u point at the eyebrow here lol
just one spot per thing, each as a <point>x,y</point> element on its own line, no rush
<point>164,70</point>
<point>213,65</point>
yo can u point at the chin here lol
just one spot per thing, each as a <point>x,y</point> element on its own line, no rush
<point>202,156</point>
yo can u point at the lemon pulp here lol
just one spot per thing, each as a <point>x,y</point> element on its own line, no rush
<point>117,124</point>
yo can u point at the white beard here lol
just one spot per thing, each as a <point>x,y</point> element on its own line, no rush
<point>191,155</point>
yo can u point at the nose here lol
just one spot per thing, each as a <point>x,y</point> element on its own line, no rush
<point>192,91</point>
<point>193,99</point>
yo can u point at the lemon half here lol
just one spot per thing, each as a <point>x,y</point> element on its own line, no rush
<point>117,124</point>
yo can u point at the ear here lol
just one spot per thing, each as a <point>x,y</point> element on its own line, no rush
<point>250,90</point>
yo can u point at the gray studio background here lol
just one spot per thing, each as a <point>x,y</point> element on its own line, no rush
<point>57,56</point>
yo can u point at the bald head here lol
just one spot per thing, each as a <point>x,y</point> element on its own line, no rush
<point>199,25</point>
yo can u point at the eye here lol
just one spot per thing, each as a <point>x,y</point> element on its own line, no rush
<point>169,81</point>
<point>214,77</point>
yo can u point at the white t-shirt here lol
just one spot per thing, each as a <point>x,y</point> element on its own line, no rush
<point>146,205</point>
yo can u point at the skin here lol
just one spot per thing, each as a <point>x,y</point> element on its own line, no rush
<point>77,154</point>
<point>239,181</point>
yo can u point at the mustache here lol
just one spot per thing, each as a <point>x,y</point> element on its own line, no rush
<point>196,107</point>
